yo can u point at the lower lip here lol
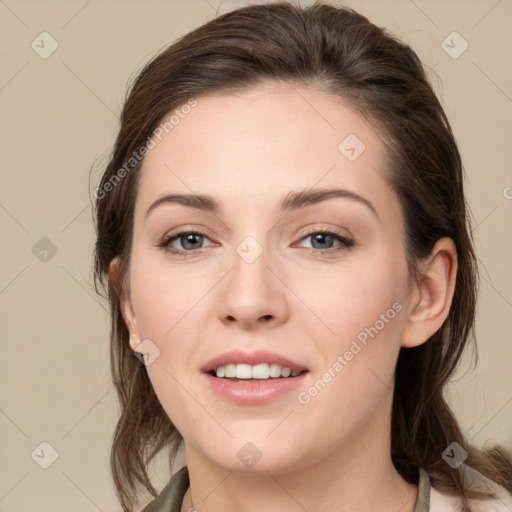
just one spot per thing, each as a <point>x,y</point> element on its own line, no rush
<point>246,392</point>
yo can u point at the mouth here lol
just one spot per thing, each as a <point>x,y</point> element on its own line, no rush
<point>258,372</point>
<point>252,378</point>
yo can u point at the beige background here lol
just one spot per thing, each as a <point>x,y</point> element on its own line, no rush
<point>60,115</point>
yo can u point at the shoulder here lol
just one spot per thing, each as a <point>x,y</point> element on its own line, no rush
<point>441,502</point>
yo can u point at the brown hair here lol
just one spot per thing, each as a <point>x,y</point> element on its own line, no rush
<point>383,79</point>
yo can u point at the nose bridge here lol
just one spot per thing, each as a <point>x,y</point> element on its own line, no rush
<point>251,291</point>
<point>251,276</point>
<point>252,259</point>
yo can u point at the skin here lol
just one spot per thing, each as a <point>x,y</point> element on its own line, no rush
<point>248,151</point>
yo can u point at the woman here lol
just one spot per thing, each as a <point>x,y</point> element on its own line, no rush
<point>283,236</point>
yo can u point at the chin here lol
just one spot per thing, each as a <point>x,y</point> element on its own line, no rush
<point>255,455</point>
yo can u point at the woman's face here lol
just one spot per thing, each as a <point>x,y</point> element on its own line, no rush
<point>276,278</point>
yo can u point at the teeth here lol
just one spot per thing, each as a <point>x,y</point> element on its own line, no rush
<point>230,371</point>
<point>258,371</point>
<point>261,371</point>
<point>285,372</point>
<point>243,371</point>
<point>275,370</point>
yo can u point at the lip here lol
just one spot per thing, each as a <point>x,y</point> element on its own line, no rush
<point>252,358</point>
<point>252,392</point>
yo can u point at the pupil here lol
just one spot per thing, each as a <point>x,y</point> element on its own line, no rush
<point>189,240</point>
<point>320,236</point>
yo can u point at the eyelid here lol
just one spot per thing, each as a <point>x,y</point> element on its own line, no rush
<point>165,242</point>
<point>185,230</point>
<point>345,234</point>
<point>322,229</point>
<point>346,240</point>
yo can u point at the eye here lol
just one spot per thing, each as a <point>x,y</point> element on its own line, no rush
<point>324,241</point>
<point>190,241</point>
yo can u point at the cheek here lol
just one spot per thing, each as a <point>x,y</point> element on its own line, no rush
<point>348,298</point>
<point>362,309</point>
<point>163,298</point>
<point>170,305</point>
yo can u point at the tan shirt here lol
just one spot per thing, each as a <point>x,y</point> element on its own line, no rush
<point>429,499</point>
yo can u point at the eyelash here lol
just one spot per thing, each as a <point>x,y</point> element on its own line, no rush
<point>345,242</point>
<point>165,242</point>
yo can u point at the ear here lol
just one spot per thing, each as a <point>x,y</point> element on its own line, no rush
<point>432,298</point>
<point>127,311</point>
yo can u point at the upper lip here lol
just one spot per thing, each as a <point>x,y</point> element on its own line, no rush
<point>252,358</point>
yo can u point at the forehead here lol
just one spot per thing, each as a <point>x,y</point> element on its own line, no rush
<point>254,146</point>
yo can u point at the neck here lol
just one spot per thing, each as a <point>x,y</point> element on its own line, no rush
<point>358,475</point>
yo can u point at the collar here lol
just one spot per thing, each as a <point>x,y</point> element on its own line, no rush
<point>171,497</point>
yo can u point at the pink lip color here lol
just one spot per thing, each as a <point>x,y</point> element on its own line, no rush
<point>252,358</point>
<point>252,392</point>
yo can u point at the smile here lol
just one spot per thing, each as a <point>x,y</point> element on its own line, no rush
<point>252,378</point>
<point>263,371</point>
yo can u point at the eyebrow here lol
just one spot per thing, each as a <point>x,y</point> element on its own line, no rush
<point>292,201</point>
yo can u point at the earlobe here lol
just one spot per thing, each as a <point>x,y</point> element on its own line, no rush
<point>127,311</point>
<point>434,294</point>
<point>134,341</point>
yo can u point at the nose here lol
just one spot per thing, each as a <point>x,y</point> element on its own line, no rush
<point>253,295</point>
